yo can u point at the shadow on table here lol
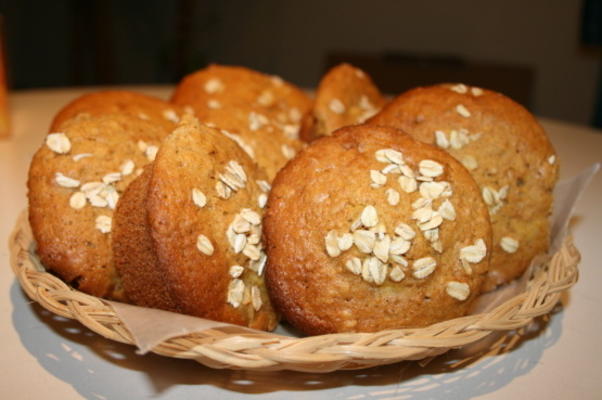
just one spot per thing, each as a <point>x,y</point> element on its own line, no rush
<point>87,361</point>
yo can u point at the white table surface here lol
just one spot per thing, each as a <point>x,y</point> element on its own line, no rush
<point>45,356</point>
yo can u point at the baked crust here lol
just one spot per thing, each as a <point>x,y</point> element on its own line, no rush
<point>326,188</point>
<point>345,96</point>
<point>70,240</point>
<point>511,150</point>
<point>134,251</point>
<point>198,277</point>
<point>263,112</point>
<point>148,108</point>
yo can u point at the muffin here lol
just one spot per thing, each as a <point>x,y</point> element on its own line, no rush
<point>75,180</point>
<point>262,113</point>
<point>156,111</point>
<point>370,229</point>
<point>508,154</point>
<point>133,250</point>
<point>345,96</point>
<point>201,206</point>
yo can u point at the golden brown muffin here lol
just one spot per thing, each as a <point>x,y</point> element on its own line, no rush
<point>262,113</point>
<point>369,230</point>
<point>133,251</point>
<point>508,154</point>
<point>75,180</point>
<point>204,207</point>
<point>346,96</point>
<point>148,108</point>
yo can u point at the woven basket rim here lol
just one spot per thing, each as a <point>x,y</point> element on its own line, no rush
<point>324,353</point>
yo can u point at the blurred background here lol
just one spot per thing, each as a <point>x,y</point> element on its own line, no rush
<point>546,54</point>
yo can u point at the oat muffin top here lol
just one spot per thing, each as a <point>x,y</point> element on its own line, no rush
<point>507,153</point>
<point>369,230</point>
<point>260,112</point>
<point>75,180</point>
<point>205,204</point>
<point>345,96</point>
<point>158,112</point>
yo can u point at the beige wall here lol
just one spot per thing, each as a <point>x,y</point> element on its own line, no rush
<point>291,38</point>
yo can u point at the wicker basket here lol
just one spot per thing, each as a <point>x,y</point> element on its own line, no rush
<point>267,351</point>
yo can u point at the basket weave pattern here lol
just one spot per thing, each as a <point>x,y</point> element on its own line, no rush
<point>268,351</point>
